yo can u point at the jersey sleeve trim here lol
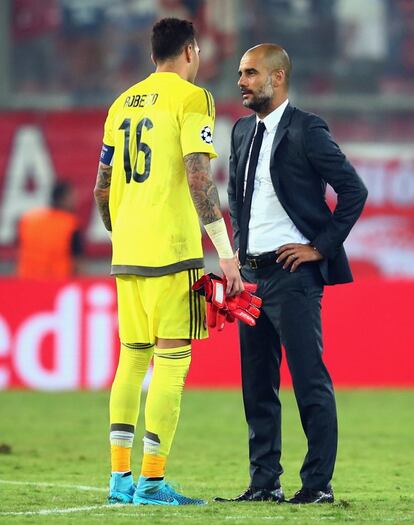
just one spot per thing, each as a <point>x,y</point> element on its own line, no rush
<point>207,94</point>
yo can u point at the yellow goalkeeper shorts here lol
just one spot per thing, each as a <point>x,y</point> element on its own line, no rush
<point>160,307</point>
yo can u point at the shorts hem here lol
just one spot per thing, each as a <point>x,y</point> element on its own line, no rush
<point>184,337</point>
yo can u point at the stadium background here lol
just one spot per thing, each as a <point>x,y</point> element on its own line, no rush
<point>63,61</point>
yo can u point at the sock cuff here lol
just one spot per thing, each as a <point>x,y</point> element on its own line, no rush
<point>180,352</point>
<point>121,438</point>
<point>151,443</point>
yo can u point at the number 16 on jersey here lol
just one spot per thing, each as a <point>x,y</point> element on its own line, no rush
<point>141,146</point>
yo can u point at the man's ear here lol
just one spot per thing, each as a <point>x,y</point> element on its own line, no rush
<point>153,60</point>
<point>188,51</point>
<point>278,77</point>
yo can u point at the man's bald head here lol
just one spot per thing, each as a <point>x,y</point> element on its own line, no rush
<point>274,57</point>
<point>264,73</point>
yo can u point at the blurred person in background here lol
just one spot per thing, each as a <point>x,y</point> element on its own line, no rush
<point>291,245</point>
<point>50,243</point>
<point>153,186</point>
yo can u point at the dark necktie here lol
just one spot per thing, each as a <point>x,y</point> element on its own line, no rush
<point>248,195</point>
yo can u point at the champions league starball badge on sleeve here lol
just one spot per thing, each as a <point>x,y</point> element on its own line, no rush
<point>206,135</point>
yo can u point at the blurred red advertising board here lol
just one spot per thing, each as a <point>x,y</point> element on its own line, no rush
<point>63,336</point>
<point>38,147</point>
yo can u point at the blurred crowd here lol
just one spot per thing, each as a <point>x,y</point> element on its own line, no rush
<point>91,50</point>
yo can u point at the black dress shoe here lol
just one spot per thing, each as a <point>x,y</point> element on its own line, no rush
<point>305,495</point>
<point>256,494</point>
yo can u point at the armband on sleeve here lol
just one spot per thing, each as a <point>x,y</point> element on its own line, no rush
<point>107,152</point>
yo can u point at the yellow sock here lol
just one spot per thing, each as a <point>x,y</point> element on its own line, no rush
<point>124,404</point>
<point>162,407</point>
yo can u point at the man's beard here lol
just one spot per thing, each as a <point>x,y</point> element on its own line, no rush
<point>262,101</point>
<point>258,104</point>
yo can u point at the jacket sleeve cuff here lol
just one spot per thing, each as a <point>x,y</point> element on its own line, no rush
<point>326,248</point>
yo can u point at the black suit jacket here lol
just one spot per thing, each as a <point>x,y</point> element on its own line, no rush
<point>304,158</point>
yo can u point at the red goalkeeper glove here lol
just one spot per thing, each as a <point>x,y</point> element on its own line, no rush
<point>245,306</point>
<point>213,288</point>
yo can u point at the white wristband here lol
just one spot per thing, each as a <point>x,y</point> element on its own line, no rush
<point>217,232</point>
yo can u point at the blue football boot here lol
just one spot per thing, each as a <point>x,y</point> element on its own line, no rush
<point>149,492</point>
<point>121,487</point>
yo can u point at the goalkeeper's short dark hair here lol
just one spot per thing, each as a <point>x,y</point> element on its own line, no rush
<point>169,37</point>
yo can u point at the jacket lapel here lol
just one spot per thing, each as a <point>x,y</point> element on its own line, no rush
<point>281,130</point>
<point>241,165</point>
<point>280,133</point>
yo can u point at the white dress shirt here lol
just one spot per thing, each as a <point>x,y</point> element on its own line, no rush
<point>270,226</point>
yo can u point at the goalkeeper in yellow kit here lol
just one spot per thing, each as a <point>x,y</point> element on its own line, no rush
<point>153,186</point>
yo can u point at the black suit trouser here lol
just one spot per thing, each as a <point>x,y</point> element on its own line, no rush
<point>291,315</point>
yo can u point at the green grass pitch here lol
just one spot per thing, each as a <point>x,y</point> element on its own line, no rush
<point>56,469</point>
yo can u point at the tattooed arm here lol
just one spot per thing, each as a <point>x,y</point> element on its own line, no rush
<point>206,201</point>
<point>202,188</point>
<point>101,193</point>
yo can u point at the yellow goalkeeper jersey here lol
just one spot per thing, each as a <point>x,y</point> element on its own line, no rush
<point>153,126</point>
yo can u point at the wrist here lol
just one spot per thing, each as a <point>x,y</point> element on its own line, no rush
<point>217,232</point>
<point>316,251</point>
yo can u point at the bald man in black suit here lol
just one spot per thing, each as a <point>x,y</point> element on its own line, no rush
<point>290,244</point>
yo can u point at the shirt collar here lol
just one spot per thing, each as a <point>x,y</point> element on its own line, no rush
<point>272,120</point>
